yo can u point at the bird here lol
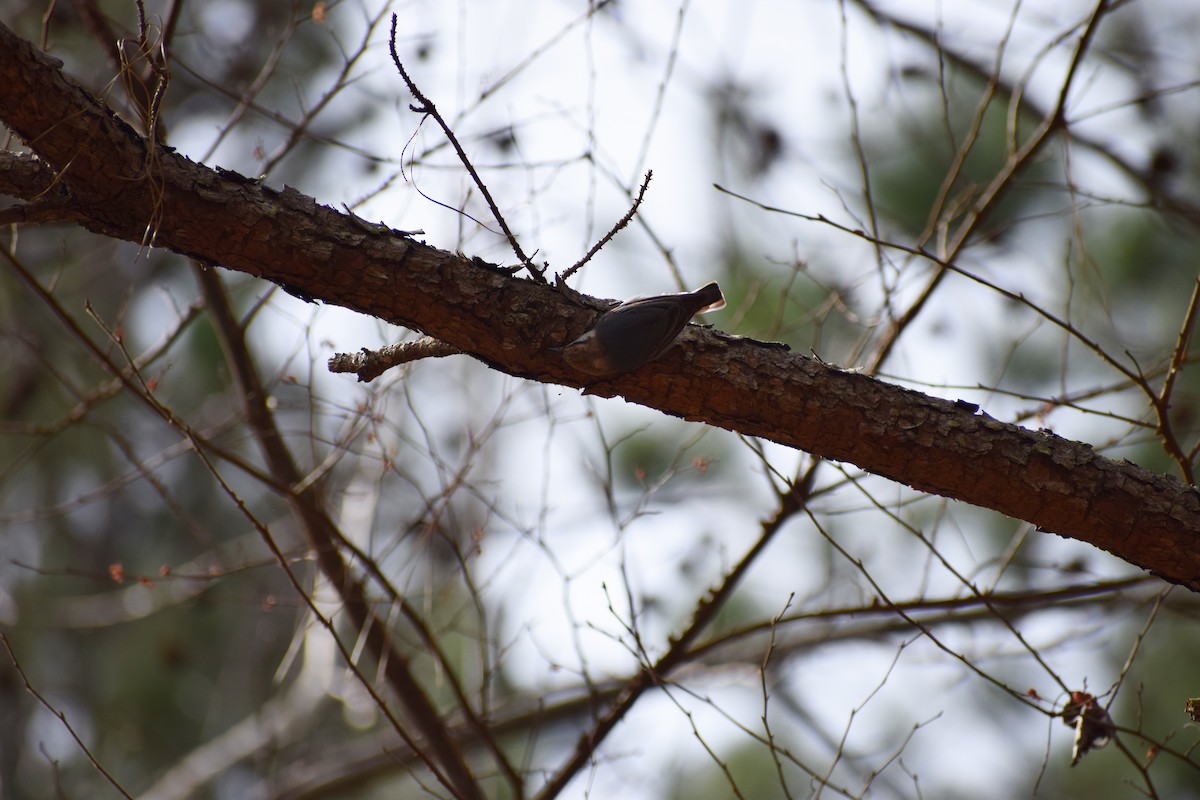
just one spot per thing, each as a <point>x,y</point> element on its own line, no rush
<point>638,331</point>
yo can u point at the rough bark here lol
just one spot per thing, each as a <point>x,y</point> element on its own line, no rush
<point>110,180</point>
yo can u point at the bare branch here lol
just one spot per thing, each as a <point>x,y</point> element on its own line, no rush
<point>370,364</point>
<point>427,107</point>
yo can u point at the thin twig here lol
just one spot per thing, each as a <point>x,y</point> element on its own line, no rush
<point>621,223</point>
<point>791,501</point>
<point>1162,406</point>
<point>61,718</point>
<point>949,266</point>
<point>427,107</point>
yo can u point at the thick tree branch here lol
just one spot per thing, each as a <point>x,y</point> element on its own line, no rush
<point>122,186</point>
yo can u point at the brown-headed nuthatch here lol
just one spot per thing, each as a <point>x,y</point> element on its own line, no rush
<point>638,331</point>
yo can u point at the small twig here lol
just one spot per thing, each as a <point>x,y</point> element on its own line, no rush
<point>61,718</point>
<point>141,58</point>
<point>792,501</point>
<point>1135,377</point>
<point>1162,406</point>
<point>370,364</point>
<point>625,220</point>
<point>427,107</point>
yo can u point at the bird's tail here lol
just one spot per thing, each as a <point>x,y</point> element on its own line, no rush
<point>710,295</point>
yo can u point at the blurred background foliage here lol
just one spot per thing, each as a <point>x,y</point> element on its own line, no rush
<point>552,543</point>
